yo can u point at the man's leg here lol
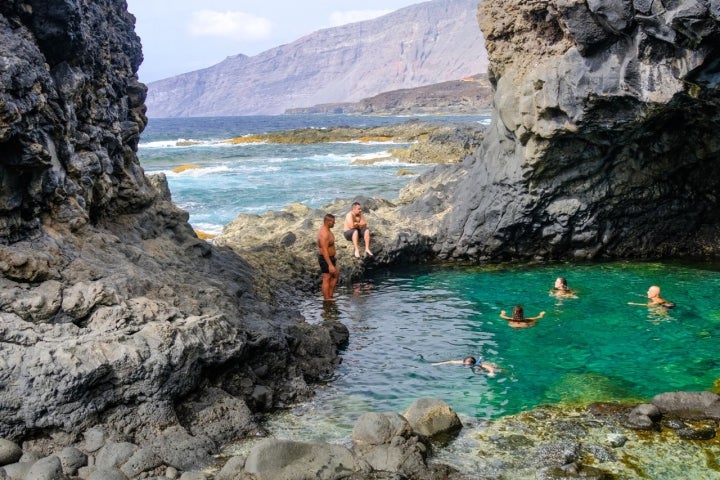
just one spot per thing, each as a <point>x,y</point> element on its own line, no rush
<point>367,242</point>
<point>355,239</point>
<point>333,281</point>
<point>326,284</point>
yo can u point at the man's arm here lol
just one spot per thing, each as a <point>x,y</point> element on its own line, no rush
<point>348,224</point>
<point>449,362</point>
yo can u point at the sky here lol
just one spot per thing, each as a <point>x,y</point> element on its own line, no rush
<point>180,36</point>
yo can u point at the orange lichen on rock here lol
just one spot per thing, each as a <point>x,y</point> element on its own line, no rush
<point>204,235</point>
<point>246,139</point>
<point>376,138</point>
<point>182,168</point>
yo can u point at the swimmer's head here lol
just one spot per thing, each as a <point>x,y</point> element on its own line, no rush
<point>560,283</point>
<point>469,361</point>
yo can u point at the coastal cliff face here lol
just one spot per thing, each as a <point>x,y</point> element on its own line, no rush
<point>112,311</point>
<point>603,142</point>
<point>431,42</point>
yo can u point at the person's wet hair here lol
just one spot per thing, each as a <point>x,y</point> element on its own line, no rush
<point>518,314</point>
<point>469,361</point>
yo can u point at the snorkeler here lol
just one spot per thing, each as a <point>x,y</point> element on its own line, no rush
<point>469,361</point>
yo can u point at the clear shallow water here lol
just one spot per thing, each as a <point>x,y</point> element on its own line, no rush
<point>594,347</point>
<point>255,178</point>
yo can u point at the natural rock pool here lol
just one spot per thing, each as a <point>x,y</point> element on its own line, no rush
<point>594,347</point>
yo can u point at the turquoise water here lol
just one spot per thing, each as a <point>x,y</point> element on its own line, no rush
<point>594,347</point>
<point>255,178</point>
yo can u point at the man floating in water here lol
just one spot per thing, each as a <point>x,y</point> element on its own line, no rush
<point>469,361</point>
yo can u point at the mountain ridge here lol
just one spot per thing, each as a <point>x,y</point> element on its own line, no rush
<point>418,45</point>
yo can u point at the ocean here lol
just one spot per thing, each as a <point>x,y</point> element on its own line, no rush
<point>226,180</point>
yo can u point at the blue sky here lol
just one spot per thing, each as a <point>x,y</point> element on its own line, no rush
<point>180,36</point>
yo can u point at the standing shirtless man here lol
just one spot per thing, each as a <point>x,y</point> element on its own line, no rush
<point>326,257</point>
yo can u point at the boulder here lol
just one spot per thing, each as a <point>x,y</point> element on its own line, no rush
<point>289,460</point>
<point>403,456</point>
<point>113,455</point>
<point>48,468</point>
<point>177,448</point>
<point>142,460</point>
<point>689,404</point>
<point>72,459</point>
<point>232,469</point>
<point>380,428</point>
<point>430,417</point>
<point>10,452</point>
<point>643,417</point>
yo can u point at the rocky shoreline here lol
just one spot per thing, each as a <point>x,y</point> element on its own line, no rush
<point>139,350</point>
<point>598,441</point>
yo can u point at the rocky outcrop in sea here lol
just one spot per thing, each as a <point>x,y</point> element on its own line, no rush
<point>455,97</point>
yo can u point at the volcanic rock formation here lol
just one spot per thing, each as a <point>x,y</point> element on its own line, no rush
<point>112,311</point>
<point>603,142</point>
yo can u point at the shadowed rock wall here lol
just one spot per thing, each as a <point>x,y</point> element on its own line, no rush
<point>71,115</point>
<point>111,309</point>
<point>603,142</point>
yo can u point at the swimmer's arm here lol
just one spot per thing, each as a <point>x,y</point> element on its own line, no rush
<point>540,315</point>
<point>503,315</point>
<point>449,362</point>
<point>639,304</point>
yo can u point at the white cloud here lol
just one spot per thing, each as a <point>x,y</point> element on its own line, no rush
<point>352,16</point>
<point>233,25</point>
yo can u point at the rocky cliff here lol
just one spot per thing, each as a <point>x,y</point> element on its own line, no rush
<point>603,139</point>
<point>431,42</point>
<point>112,311</point>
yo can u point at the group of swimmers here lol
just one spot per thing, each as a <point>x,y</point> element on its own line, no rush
<point>519,320</point>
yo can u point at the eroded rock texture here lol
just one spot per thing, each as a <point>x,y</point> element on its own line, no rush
<point>604,141</point>
<point>111,309</point>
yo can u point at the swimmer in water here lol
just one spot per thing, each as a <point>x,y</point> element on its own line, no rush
<point>518,319</point>
<point>469,361</point>
<point>561,289</point>
<point>654,299</point>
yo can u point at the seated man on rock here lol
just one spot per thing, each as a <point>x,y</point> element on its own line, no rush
<point>356,226</point>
